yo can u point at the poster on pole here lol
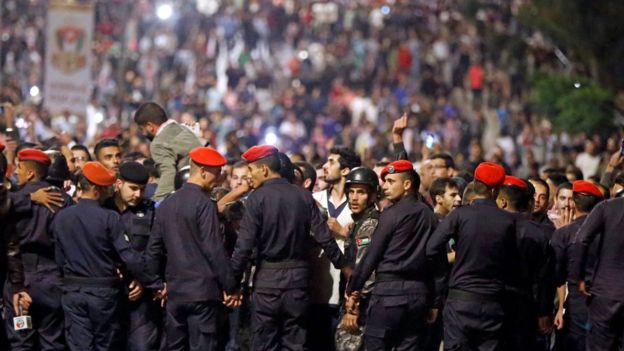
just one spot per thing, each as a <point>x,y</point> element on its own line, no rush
<point>69,34</point>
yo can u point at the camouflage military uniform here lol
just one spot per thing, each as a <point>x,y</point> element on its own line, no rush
<point>360,238</point>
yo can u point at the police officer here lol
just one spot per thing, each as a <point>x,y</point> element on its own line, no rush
<point>137,215</point>
<point>186,239</point>
<point>574,324</point>
<point>399,306</point>
<point>90,241</point>
<point>530,290</point>
<point>361,185</point>
<point>485,251</point>
<point>41,279</point>
<point>277,223</point>
<point>606,305</point>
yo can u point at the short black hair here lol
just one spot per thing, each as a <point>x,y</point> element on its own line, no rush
<point>271,161</point>
<point>541,182</point>
<point>133,156</point>
<point>84,184</point>
<point>40,168</point>
<point>438,187</point>
<point>578,174</point>
<point>414,177</point>
<point>239,164</point>
<point>519,198</point>
<point>79,147</point>
<point>558,179</point>
<point>3,167</point>
<point>585,202</point>
<point>605,190</point>
<point>348,158</point>
<point>563,186</point>
<point>150,112</point>
<point>151,167</point>
<point>308,172</point>
<point>109,142</point>
<point>448,159</point>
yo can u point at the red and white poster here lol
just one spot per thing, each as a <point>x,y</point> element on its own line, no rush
<point>68,79</point>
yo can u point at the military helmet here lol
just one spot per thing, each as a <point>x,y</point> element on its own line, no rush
<point>363,175</point>
<point>182,176</point>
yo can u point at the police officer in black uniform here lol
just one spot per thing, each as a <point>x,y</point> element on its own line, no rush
<point>137,215</point>
<point>41,278</point>
<point>530,290</point>
<point>277,223</point>
<point>186,239</point>
<point>485,239</point>
<point>574,324</point>
<point>90,242</point>
<point>400,304</point>
<point>361,185</point>
<point>606,292</point>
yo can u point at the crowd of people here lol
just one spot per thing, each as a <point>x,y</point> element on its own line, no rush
<point>315,175</point>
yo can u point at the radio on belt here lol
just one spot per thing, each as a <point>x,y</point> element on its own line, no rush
<point>22,322</point>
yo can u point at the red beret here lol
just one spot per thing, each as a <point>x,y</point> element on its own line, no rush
<point>490,174</point>
<point>2,147</point>
<point>207,156</point>
<point>585,187</point>
<point>259,151</point>
<point>97,174</point>
<point>34,155</point>
<point>396,167</point>
<point>511,180</point>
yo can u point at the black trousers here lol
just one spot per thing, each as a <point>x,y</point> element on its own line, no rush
<point>92,318</point>
<point>396,323</point>
<point>193,326</point>
<point>576,323</point>
<point>46,313</point>
<point>279,319</point>
<point>606,317</point>
<point>473,325</point>
<point>144,322</point>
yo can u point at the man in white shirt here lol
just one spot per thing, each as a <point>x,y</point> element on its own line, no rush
<point>326,292</point>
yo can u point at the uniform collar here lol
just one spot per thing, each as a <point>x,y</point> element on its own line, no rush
<point>34,185</point>
<point>486,202</point>
<point>275,181</point>
<point>88,202</point>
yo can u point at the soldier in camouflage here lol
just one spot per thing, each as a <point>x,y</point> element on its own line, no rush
<point>362,186</point>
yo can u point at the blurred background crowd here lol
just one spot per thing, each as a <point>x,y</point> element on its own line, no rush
<point>308,75</point>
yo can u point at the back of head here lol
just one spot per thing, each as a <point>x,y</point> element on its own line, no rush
<point>448,159</point>
<point>517,198</point>
<point>150,112</point>
<point>58,172</point>
<point>308,172</point>
<point>286,168</point>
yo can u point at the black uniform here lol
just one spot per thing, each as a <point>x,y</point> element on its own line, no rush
<point>576,317</point>
<point>277,223</point>
<point>606,308</point>
<point>90,240</point>
<point>531,288</point>
<point>187,240</point>
<point>29,225</point>
<point>485,238</point>
<point>399,305</point>
<point>5,251</point>
<point>144,315</point>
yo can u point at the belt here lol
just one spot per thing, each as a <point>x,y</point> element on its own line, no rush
<point>286,264</point>
<point>390,277</point>
<point>99,282</point>
<point>32,260</point>
<point>470,296</point>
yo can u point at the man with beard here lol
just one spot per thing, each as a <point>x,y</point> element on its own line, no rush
<point>399,305</point>
<point>137,215</point>
<point>574,324</point>
<point>326,293</point>
<point>362,185</point>
<point>170,145</point>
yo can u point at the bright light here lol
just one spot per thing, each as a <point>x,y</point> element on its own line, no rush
<point>385,10</point>
<point>577,84</point>
<point>270,138</point>
<point>303,55</point>
<point>164,11</point>
<point>34,91</point>
<point>98,117</point>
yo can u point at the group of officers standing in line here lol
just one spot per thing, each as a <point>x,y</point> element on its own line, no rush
<point>470,265</point>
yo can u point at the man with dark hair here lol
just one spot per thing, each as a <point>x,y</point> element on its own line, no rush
<point>41,276</point>
<point>108,153</point>
<point>240,173</point>
<point>563,206</point>
<point>473,314</point>
<point>137,215</point>
<point>81,156</point>
<point>541,201</point>
<point>442,165</point>
<point>90,245</point>
<point>530,290</point>
<point>277,223</point>
<point>170,145</point>
<point>445,195</point>
<point>326,293</point>
<point>606,307</point>
<point>308,175</point>
<point>399,306</point>
<point>574,324</point>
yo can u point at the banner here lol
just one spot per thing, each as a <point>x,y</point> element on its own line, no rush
<point>69,34</point>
